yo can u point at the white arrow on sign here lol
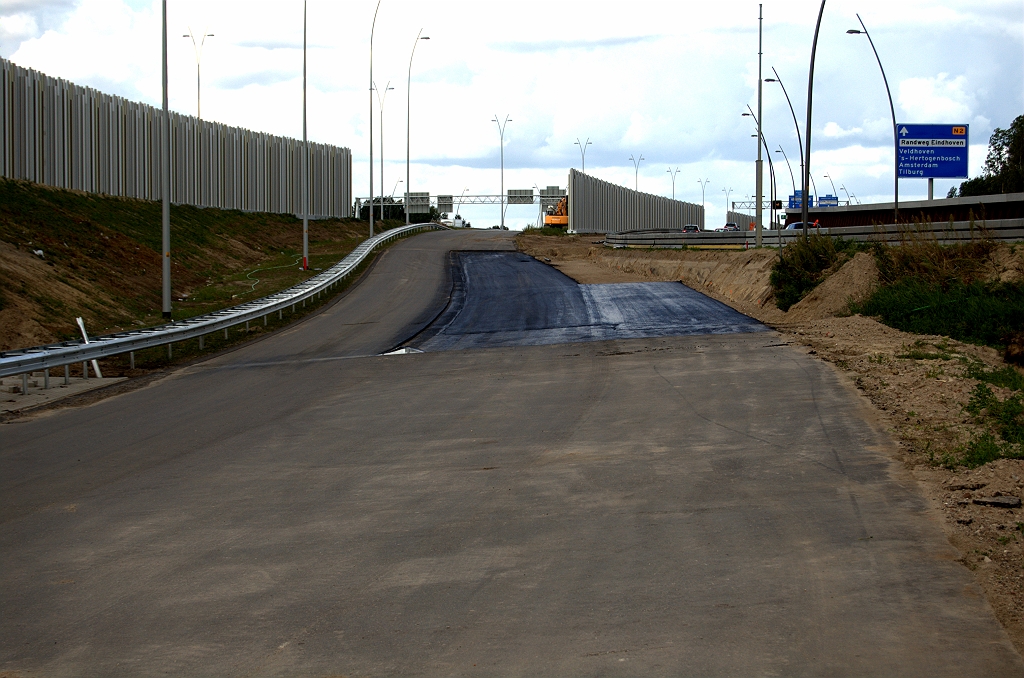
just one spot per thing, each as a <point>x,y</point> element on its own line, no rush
<point>904,132</point>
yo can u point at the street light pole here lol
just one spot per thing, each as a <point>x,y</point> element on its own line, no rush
<point>892,111</point>
<point>408,111</point>
<point>772,187</point>
<point>807,124</point>
<point>372,27</point>
<point>165,184</point>
<point>305,153</point>
<point>501,134</point>
<point>758,216</point>
<point>198,49</point>
<point>727,192</point>
<point>673,181</point>
<point>799,141</point>
<point>636,185</point>
<point>842,187</point>
<point>703,185</point>
<point>380,106</point>
<point>791,179</point>
<point>459,214</point>
<point>583,153</point>
<point>829,177</point>
<point>636,172</point>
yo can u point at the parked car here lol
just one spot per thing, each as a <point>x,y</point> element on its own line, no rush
<point>691,228</point>
<point>795,226</point>
<point>731,226</point>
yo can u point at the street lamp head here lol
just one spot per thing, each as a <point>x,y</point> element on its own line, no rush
<point>425,37</point>
<point>854,31</point>
<point>745,115</point>
<point>770,80</point>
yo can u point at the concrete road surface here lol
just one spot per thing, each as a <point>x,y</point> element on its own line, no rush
<point>696,505</point>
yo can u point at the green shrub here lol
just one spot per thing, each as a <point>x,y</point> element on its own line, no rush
<point>976,312</point>
<point>804,264</point>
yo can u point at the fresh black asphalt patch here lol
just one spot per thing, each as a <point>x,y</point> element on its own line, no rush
<point>511,299</point>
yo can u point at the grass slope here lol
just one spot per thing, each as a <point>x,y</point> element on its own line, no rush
<point>65,254</point>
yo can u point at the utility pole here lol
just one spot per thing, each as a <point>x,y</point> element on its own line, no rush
<point>760,162</point>
<point>165,183</point>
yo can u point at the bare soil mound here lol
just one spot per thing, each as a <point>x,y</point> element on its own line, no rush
<point>853,282</point>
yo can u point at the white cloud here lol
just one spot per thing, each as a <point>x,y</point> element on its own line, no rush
<point>834,131</point>
<point>936,99</point>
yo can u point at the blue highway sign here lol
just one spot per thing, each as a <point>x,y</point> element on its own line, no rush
<point>933,151</point>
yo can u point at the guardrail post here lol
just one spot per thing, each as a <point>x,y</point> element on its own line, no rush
<point>67,374</point>
<point>264,321</point>
<point>293,308</point>
<point>170,355</point>
<point>46,378</point>
<point>278,314</point>
<point>24,383</point>
<point>246,325</point>
<point>131,360</point>
<point>200,342</point>
<point>85,369</point>
<point>225,333</point>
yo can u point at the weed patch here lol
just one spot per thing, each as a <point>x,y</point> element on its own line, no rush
<point>977,312</point>
<point>803,265</point>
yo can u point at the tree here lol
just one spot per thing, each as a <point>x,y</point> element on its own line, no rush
<point>1004,164</point>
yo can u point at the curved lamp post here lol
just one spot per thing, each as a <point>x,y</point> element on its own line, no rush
<point>501,134</point>
<point>583,152</point>
<point>408,111</point>
<point>807,124</point>
<point>773,188</point>
<point>842,187</point>
<point>791,179</point>
<point>892,111</point>
<point>829,177</point>
<point>799,141</point>
<point>727,192</point>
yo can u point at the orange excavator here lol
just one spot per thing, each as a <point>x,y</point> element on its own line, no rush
<point>559,216</point>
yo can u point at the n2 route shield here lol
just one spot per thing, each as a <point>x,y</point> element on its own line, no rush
<point>932,151</point>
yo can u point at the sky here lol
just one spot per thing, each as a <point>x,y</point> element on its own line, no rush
<point>667,81</point>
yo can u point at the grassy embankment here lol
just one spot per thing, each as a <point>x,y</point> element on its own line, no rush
<point>66,254</point>
<point>932,289</point>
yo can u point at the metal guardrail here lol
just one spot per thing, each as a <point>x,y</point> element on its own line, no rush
<point>1007,230</point>
<point>21,361</point>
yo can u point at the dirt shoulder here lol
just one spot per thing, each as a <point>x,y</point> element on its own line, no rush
<point>917,384</point>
